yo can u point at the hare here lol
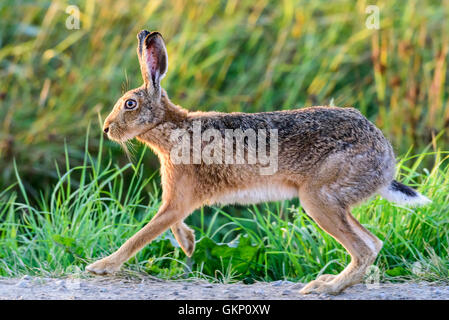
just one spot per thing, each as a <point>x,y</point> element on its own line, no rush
<point>331,158</point>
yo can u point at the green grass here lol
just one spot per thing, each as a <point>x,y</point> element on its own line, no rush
<point>95,207</point>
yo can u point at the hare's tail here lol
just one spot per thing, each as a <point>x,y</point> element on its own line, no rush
<point>402,194</point>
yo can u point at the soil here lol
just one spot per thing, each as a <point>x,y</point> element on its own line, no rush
<point>149,288</point>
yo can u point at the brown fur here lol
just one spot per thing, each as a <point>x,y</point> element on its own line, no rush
<point>332,158</point>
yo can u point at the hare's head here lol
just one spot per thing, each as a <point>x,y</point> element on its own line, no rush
<point>141,109</point>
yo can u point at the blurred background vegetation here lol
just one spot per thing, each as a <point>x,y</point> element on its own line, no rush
<point>232,55</point>
<point>68,197</point>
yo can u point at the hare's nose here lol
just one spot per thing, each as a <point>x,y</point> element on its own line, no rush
<point>106,129</point>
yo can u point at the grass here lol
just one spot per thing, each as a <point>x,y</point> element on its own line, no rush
<point>95,207</point>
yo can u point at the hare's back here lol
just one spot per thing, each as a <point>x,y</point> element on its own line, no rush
<point>321,128</point>
<point>309,135</point>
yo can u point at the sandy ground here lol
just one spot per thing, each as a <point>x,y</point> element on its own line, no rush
<point>154,289</point>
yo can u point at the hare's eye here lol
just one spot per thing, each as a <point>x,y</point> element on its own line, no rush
<point>130,104</point>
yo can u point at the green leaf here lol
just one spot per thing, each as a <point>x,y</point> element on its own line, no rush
<point>217,256</point>
<point>396,272</point>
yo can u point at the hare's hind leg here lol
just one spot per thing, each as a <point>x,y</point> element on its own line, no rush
<point>185,237</point>
<point>339,223</point>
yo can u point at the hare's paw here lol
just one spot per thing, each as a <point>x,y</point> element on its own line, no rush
<point>319,286</point>
<point>104,266</point>
<point>326,277</point>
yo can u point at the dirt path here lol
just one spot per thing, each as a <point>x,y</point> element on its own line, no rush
<point>153,289</point>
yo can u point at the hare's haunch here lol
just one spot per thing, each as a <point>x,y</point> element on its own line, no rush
<point>331,158</point>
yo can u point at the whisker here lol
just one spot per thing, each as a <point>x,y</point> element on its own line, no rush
<point>132,149</point>
<point>127,152</point>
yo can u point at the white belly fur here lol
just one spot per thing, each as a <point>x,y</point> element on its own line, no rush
<point>264,193</point>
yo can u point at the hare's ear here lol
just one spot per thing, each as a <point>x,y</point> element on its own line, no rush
<point>152,58</point>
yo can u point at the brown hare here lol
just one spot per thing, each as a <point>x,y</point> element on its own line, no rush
<point>331,158</point>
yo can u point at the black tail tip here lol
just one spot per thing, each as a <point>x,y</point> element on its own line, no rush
<point>397,186</point>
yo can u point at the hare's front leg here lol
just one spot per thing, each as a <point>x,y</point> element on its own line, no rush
<point>168,214</point>
<point>338,221</point>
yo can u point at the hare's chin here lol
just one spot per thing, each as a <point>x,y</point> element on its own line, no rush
<point>122,138</point>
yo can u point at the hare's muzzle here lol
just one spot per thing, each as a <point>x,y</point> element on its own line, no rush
<point>106,125</point>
